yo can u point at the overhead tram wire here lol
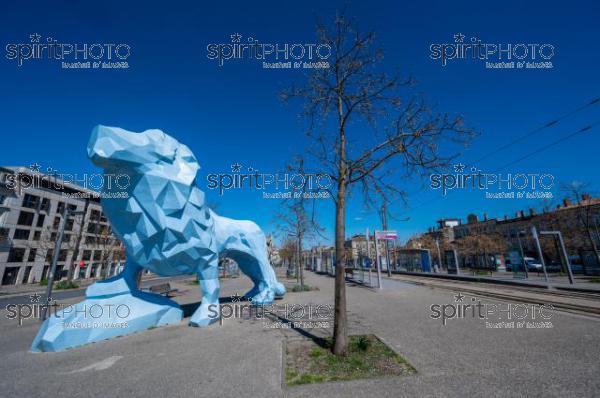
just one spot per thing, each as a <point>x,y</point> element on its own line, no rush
<point>529,134</point>
<point>530,154</point>
<point>543,148</point>
<point>538,129</point>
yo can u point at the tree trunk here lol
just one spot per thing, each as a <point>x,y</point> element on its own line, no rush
<point>340,332</point>
<point>301,271</point>
<point>297,266</point>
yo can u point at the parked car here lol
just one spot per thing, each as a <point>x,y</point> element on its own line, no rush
<point>533,265</point>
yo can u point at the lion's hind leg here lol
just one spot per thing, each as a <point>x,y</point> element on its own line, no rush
<point>245,243</point>
<point>266,287</point>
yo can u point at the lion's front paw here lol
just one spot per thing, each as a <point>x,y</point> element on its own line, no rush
<point>261,296</point>
<point>204,316</point>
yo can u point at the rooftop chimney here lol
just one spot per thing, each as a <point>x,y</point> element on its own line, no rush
<point>532,212</point>
<point>566,202</point>
<point>585,196</point>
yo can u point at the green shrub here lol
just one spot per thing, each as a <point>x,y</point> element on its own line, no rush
<point>61,285</point>
<point>302,288</point>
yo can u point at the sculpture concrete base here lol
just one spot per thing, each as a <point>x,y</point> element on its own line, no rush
<point>101,318</point>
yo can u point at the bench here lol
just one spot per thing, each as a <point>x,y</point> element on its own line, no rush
<point>163,289</point>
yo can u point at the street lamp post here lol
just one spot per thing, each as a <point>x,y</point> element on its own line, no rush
<point>437,246</point>
<point>378,261</point>
<point>61,232</point>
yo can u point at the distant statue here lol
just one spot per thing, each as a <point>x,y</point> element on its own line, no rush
<point>162,218</point>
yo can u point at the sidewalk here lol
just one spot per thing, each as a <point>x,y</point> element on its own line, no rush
<point>242,358</point>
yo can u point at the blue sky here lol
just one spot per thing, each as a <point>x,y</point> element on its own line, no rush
<point>231,114</point>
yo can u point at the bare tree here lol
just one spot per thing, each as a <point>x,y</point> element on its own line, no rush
<point>363,131</point>
<point>111,248</point>
<point>43,247</point>
<point>295,221</point>
<point>481,246</point>
<point>287,251</point>
<point>587,213</point>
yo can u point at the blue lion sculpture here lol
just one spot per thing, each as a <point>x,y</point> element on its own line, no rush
<point>167,228</point>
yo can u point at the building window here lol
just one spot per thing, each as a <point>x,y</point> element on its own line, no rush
<point>16,255</point>
<point>45,205</point>
<point>22,234</point>
<point>37,235</point>
<point>56,222</point>
<point>60,208</point>
<point>26,274</point>
<point>25,218</point>
<point>31,201</point>
<point>95,215</point>
<point>31,256</point>
<point>69,224</point>
<point>87,254</point>
<point>93,228</point>
<point>98,255</point>
<point>40,220</point>
<point>10,275</point>
<point>3,233</point>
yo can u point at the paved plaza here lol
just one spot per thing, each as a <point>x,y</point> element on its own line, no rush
<point>242,358</point>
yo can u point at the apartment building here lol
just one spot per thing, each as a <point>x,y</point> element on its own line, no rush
<point>29,226</point>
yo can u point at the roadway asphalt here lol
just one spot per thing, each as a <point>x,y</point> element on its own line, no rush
<point>242,358</point>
